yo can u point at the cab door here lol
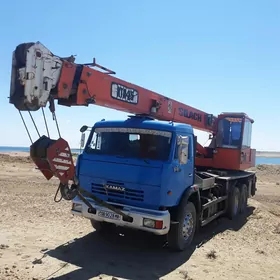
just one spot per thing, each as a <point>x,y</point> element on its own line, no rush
<point>183,169</point>
<point>178,176</point>
<point>186,164</point>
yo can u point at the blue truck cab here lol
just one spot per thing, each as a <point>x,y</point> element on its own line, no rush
<point>141,166</point>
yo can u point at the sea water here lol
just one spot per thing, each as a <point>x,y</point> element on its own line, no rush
<point>4,149</point>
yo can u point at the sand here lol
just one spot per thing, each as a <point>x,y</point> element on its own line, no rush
<point>40,239</point>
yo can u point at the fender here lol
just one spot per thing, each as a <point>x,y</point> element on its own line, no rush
<point>187,194</point>
<point>194,189</point>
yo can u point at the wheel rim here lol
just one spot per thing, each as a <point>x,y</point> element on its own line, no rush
<point>236,203</point>
<point>187,226</point>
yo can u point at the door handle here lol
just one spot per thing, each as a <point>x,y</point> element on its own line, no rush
<point>190,175</point>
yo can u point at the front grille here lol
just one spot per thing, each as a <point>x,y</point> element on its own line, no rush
<point>131,194</point>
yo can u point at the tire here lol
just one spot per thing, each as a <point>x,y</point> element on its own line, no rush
<point>243,198</point>
<point>181,235</point>
<point>234,203</point>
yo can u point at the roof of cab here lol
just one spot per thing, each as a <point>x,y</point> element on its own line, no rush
<point>146,123</point>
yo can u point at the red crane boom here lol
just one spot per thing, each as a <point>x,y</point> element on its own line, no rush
<point>39,77</point>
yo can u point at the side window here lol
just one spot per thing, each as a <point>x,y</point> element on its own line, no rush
<point>247,134</point>
<point>190,149</point>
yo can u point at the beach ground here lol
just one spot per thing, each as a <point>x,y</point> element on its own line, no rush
<point>40,239</point>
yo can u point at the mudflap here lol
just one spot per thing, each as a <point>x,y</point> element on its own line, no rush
<point>254,186</point>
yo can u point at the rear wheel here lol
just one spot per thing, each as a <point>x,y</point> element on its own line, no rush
<point>181,234</point>
<point>234,203</point>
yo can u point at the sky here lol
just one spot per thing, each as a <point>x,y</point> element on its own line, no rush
<point>217,56</point>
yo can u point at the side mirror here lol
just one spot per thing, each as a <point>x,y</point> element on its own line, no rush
<point>183,149</point>
<point>83,137</point>
<point>83,128</point>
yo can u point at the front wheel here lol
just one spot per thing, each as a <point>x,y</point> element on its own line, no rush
<point>181,235</point>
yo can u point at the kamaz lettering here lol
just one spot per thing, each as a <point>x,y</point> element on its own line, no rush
<point>114,188</point>
<point>190,115</point>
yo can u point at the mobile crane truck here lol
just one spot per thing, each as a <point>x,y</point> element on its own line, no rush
<point>147,172</point>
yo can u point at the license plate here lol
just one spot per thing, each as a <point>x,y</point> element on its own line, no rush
<point>109,215</point>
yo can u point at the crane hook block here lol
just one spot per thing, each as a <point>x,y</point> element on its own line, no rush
<point>53,158</point>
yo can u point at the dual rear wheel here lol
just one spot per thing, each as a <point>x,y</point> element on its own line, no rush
<point>238,201</point>
<point>181,235</point>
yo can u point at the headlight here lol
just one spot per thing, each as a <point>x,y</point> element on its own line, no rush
<point>152,223</point>
<point>149,223</point>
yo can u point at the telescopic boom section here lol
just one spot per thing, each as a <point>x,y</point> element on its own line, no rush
<point>39,75</point>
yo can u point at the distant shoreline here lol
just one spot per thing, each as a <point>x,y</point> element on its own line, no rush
<point>259,154</point>
<point>268,154</point>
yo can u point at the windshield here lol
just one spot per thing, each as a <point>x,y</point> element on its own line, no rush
<point>130,142</point>
<point>230,132</point>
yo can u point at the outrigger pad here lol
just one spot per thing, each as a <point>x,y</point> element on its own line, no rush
<point>53,158</point>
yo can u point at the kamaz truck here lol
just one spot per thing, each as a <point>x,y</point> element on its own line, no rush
<point>147,172</point>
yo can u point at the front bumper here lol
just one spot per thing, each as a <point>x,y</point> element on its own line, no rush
<point>79,208</point>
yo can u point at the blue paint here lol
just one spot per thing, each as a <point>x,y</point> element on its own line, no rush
<point>147,181</point>
<point>135,122</point>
